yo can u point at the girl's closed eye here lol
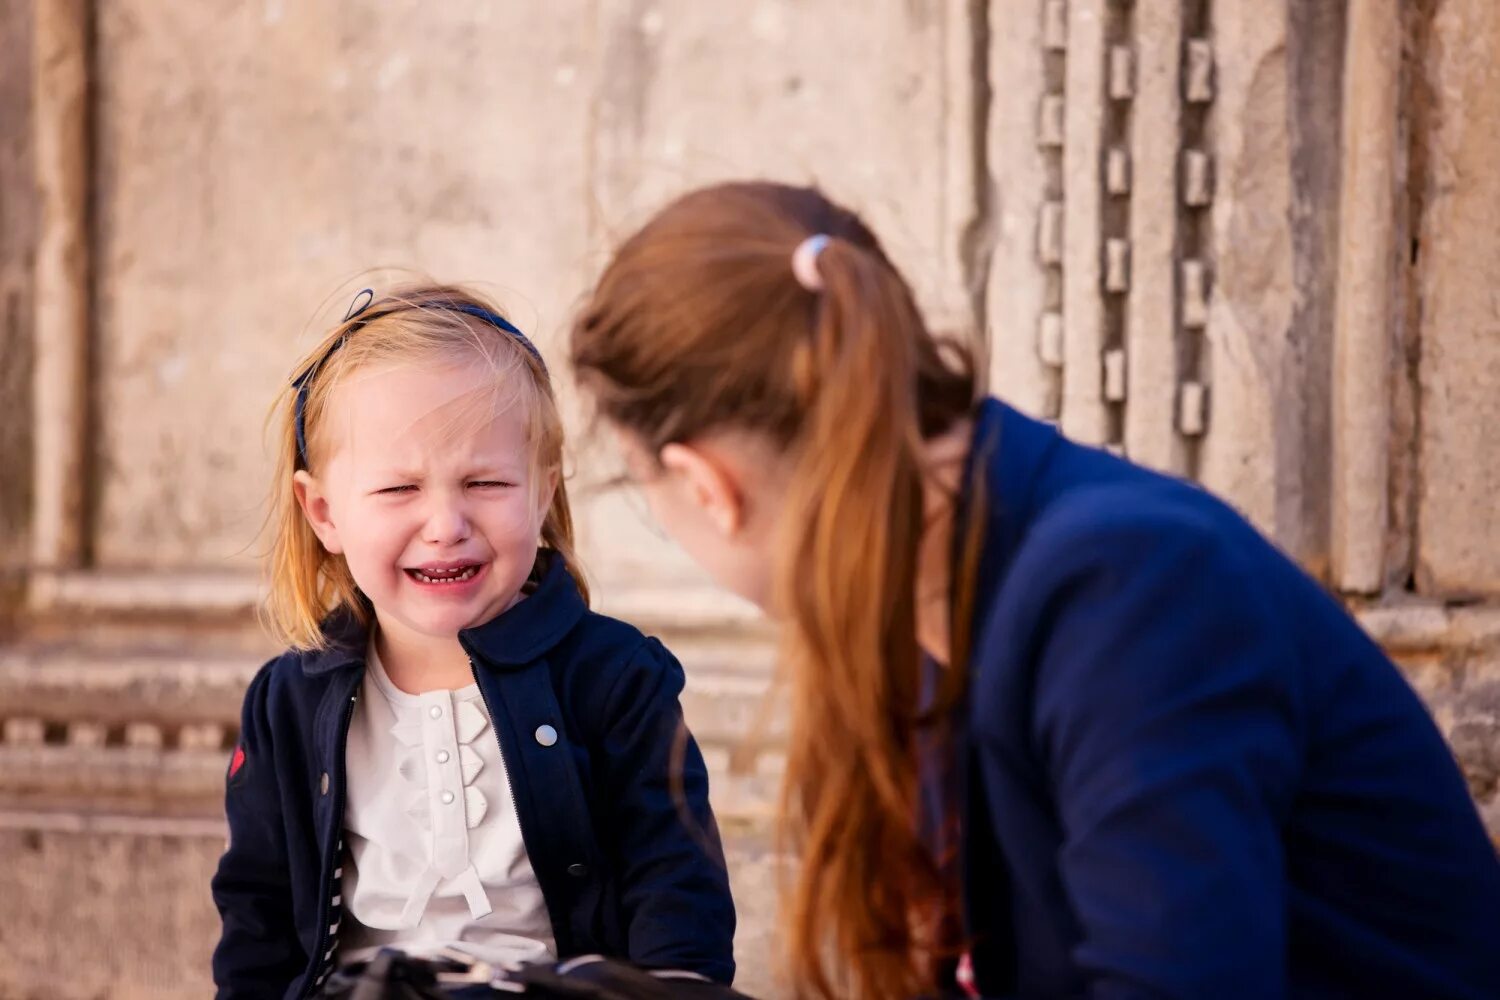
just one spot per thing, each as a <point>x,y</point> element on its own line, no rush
<point>492,484</point>
<point>395,490</point>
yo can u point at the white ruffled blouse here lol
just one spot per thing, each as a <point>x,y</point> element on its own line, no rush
<point>434,855</point>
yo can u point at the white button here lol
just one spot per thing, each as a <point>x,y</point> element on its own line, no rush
<point>323,783</point>
<point>546,735</point>
<point>435,711</point>
<point>442,756</point>
<point>447,798</point>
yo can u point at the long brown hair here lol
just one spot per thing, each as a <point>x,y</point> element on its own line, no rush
<point>699,323</point>
<point>423,324</point>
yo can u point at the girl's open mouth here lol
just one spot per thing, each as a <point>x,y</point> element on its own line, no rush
<point>445,574</point>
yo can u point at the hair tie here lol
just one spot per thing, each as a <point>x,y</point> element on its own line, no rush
<point>805,262</point>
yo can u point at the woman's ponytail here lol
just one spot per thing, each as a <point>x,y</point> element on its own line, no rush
<point>846,567</point>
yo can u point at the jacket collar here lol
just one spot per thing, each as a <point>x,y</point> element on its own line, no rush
<point>513,638</point>
<point>347,638</point>
<point>528,630</point>
<point>1009,456</point>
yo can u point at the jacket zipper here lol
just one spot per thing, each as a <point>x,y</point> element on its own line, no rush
<point>510,786</point>
<point>330,890</point>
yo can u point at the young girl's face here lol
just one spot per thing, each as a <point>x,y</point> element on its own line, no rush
<point>427,492</point>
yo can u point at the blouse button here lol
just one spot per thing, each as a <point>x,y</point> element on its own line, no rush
<point>442,756</point>
<point>323,784</point>
<point>447,798</point>
<point>435,711</point>
<point>546,735</point>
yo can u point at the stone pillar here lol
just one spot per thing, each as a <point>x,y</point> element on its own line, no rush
<point>18,224</point>
<point>1458,281</point>
<point>1028,42</point>
<point>1100,286</point>
<point>1085,415</point>
<point>1165,311</point>
<point>1271,227</point>
<point>60,66</point>
<point>1368,263</point>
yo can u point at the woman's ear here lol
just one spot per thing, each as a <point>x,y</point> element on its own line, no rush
<point>314,504</point>
<point>708,484</point>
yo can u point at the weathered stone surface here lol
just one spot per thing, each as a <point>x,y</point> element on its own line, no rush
<point>60,130</point>
<point>1316,44</point>
<point>1025,347</point>
<point>1458,528</point>
<point>1452,658</point>
<point>111,727</point>
<point>18,225</point>
<point>251,159</point>
<point>125,915</point>
<point>122,688</point>
<point>1366,314</point>
<point>1084,416</point>
<point>1268,331</point>
<point>1150,432</point>
<point>121,909</point>
<point>892,140</point>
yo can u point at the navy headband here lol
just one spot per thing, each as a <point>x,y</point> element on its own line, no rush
<point>356,309</point>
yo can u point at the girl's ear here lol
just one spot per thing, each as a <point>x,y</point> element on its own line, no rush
<point>314,503</point>
<point>709,485</point>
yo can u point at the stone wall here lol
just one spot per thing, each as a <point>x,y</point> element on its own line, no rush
<point>1255,244</point>
<point>1456,264</point>
<point>18,226</point>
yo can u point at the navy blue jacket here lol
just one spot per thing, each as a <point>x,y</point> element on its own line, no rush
<point>622,872</point>
<point>1182,769</point>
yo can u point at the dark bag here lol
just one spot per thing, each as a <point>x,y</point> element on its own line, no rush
<point>392,975</point>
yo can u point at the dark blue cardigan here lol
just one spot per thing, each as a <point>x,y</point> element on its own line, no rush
<point>621,870</point>
<point>1183,770</point>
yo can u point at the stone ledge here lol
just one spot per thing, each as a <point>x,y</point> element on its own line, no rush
<point>155,874</point>
<point>727,696</point>
<point>175,593</point>
<point>112,775</point>
<point>1421,626</point>
<point>111,824</point>
<point>195,594</point>
<point>63,685</point>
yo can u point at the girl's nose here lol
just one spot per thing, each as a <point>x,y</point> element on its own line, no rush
<point>447,522</point>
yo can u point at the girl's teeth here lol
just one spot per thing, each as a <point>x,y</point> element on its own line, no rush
<point>446,576</point>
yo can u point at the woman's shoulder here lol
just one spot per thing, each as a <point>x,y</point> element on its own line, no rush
<point>1080,492</point>
<point>1048,496</point>
<point>1139,529</point>
<point>1144,506</point>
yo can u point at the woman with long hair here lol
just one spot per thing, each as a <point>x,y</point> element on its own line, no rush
<point>1060,726</point>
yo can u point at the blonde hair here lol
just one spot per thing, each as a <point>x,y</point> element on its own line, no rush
<point>417,324</point>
